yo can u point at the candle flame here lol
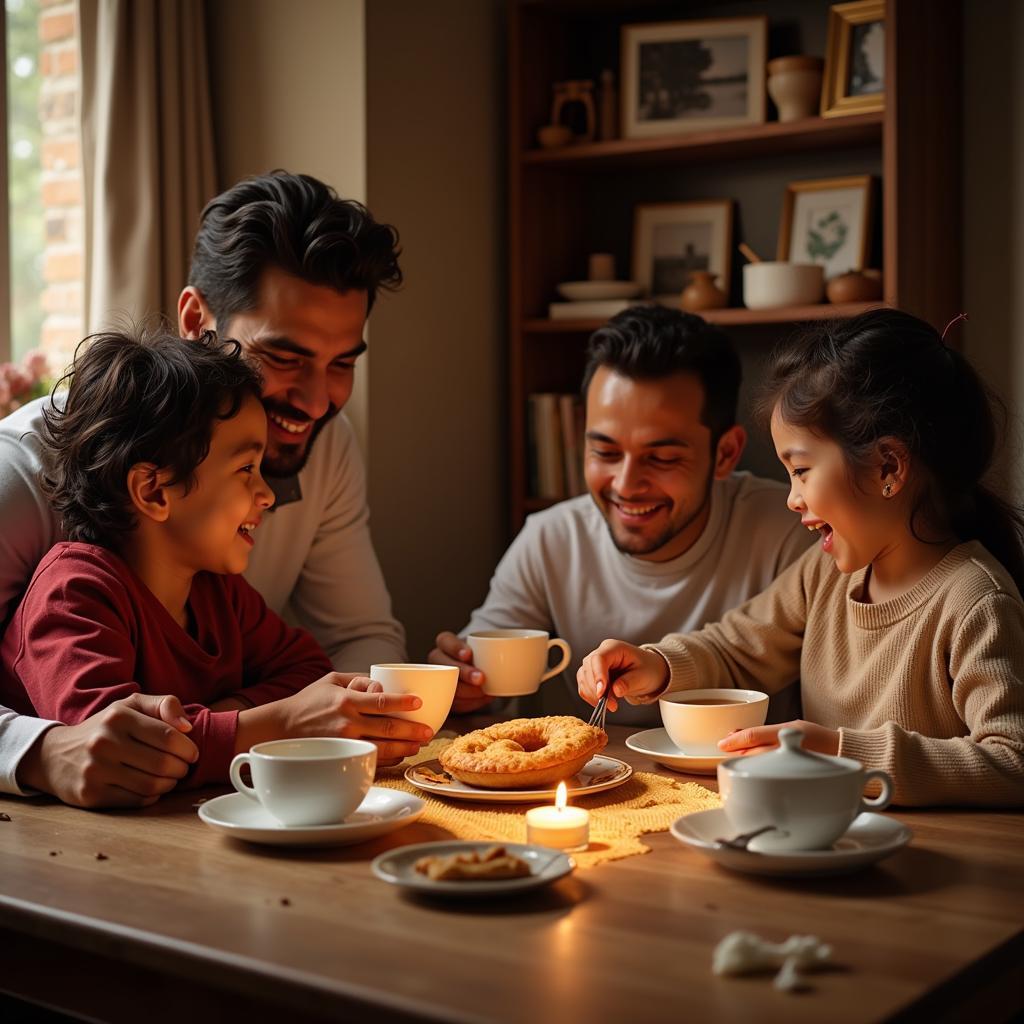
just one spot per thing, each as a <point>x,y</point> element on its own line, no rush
<point>561,796</point>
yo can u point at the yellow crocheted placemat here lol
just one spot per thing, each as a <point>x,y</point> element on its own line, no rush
<point>618,817</point>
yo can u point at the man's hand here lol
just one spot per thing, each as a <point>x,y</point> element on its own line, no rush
<point>469,695</point>
<point>765,737</point>
<point>339,704</point>
<point>127,755</point>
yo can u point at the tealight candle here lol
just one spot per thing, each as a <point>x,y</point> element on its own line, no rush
<point>561,827</point>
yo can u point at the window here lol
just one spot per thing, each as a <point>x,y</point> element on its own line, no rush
<point>44,181</point>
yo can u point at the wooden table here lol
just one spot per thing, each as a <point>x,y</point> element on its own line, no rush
<point>178,923</point>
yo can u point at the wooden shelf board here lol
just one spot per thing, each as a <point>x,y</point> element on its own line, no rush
<point>819,133</point>
<point>726,317</point>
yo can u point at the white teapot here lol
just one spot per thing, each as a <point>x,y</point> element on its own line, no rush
<point>810,799</point>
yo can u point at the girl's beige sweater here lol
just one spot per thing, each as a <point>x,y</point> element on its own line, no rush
<point>928,686</point>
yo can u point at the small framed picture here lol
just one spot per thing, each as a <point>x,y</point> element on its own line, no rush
<point>828,222</point>
<point>671,240</point>
<point>684,76</point>
<point>854,80</point>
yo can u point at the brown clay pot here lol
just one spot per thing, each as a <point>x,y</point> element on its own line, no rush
<point>794,84</point>
<point>702,293</point>
<point>855,286</point>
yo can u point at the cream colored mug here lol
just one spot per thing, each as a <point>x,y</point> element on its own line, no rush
<point>515,661</point>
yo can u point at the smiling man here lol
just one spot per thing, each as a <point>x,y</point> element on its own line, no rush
<point>291,271</point>
<point>669,532</point>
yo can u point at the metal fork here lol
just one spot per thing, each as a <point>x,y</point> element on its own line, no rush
<point>600,711</point>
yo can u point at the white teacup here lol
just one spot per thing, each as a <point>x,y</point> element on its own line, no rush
<point>696,720</point>
<point>515,661</point>
<point>811,799</point>
<point>307,781</point>
<point>433,684</point>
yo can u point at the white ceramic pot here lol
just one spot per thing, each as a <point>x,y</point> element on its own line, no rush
<point>811,799</point>
<point>771,284</point>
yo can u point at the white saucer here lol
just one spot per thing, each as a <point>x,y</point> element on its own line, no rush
<point>399,868</point>
<point>585,291</point>
<point>870,838</point>
<point>382,811</point>
<point>656,744</point>
<point>598,774</point>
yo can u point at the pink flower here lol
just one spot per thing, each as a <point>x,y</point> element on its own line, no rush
<point>18,379</point>
<point>35,362</point>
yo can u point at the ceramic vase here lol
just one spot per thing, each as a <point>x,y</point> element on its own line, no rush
<point>702,293</point>
<point>855,286</point>
<point>794,84</point>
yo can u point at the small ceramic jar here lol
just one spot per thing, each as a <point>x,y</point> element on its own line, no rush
<point>811,799</point>
<point>855,286</point>
<point>702,293</point>
<point>794,84</point>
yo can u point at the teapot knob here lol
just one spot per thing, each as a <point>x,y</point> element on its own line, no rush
<point>791,739</point>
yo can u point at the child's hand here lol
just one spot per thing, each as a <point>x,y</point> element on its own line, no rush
<point>350,706</point>
<point>630,671</point>
<point>765,737</point>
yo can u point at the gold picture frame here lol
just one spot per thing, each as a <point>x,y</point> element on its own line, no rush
<point>828,221</point>
<point>697,75</point>
<point>672,239</point>
<point>854,78</point>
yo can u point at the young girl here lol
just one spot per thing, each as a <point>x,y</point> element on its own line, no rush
<point>905,625</point>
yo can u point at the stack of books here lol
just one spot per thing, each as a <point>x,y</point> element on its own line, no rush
<point>554,438</point>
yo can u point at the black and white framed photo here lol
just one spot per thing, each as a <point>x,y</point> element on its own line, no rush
<point>854,80</point>
<point>671,240</point>
<point>683,76</point>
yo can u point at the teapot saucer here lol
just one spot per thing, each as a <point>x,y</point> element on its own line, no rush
<point>868,839</point>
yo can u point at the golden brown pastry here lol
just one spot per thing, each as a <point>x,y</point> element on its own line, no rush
<point>494,862</point>
<point>526,753</point>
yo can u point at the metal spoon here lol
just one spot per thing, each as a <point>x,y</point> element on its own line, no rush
<point>741,842</point>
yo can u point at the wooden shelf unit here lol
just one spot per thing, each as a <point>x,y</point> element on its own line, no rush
<point>567,202</point>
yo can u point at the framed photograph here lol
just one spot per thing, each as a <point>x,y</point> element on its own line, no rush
<point>684,76</point>
<point>854,81</point>
<point>828,222</point>
<point>671,240</point>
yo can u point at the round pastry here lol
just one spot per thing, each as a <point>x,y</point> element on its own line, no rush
<point>526,753</point>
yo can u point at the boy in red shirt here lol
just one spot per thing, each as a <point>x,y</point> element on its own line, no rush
<point>153,466</point>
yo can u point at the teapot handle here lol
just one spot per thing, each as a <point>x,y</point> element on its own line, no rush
<point>884,798</point>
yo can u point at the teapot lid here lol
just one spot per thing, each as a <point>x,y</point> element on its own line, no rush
<point>789,760</point>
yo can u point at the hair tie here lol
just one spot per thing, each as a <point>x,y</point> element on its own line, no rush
<point>955,320</point>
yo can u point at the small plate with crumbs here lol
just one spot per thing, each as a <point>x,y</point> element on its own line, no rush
<point>456,869</point>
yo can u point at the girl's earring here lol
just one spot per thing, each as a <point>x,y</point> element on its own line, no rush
<point>887,489</point>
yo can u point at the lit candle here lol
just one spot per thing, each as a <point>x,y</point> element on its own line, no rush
<point>561,827</point>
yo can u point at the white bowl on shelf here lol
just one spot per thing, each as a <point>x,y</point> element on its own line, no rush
<point>767,285</point>
<point>588,291</point>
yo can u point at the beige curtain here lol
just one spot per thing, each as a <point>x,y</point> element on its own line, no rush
<point>148,160</point>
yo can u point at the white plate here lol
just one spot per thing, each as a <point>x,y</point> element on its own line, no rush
<point>656,744</point>
<point>399,868</point>
<point>597,775</point>
<point>382,811</point>
<point>586,291</point>
<point>870,838</point>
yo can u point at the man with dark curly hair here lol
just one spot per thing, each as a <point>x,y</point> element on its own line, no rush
<point>291,271</point>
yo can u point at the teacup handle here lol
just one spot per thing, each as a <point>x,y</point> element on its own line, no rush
<point>877,803</point>
<point>235,774</point>
<point>566,655</point>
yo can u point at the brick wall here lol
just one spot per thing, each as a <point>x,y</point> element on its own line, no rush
<point>64,253</point>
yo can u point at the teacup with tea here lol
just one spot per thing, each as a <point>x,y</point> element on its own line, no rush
<point>307,781</point>
<point>696,720</point>
<point>433,684</point>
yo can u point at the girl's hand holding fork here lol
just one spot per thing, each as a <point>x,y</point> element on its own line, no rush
<point>632,672</point>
